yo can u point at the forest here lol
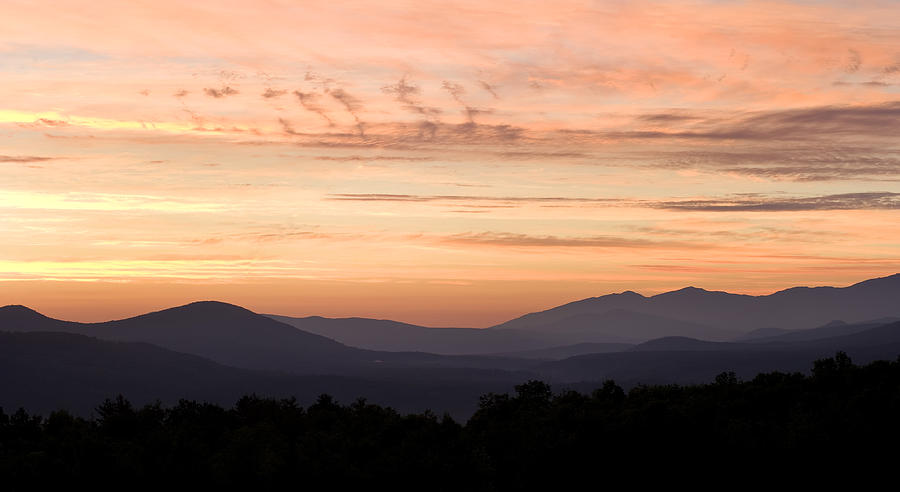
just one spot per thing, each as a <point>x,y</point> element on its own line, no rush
<point>533,438</point>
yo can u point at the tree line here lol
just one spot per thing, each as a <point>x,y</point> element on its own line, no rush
<point>530,439</point>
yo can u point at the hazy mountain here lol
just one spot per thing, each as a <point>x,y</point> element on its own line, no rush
<point>222,332</point>
<point>616,325</point>
<point>566,351</point>
<point>795,308</point>
<point>762,333</point>
<point>680,344</point>
<point>378,334</point>
<point>44,371</point>
<point>681,360</point>
<point>235,336</point>
<point>832,329</point>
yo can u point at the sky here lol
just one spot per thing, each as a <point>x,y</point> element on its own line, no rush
<point>448,163</point>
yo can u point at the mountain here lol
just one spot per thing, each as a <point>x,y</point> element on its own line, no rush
<point>625,326</point>
<point>218,331</point>
<point>378,334</point>
<point>795,308</point>
<point>50,369</point>
<point>681,360</point>
<point>566,351</point>
<point>45,371</point>
<point>760,333</point>
<point>832,329</point>
<point>681,344</point>
<point>235,336</point>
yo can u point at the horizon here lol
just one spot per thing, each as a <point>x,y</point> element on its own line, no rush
<point>443,164</point>
<point>267,313</point>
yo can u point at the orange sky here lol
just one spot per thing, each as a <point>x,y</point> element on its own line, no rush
<point>444,163</point>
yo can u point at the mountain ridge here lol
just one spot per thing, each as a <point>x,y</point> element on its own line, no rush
<point>805,307</point>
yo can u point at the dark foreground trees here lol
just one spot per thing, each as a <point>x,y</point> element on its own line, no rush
<point>533,439</point>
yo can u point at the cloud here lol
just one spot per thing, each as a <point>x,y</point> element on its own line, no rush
<point>795,163</point>
<point>793,124</point>
<point>287,127</point>
<point>456,199</point>
<point>530,241</point>
<point>878,119</point>
<point>309,102</point>
<point>271,93</point>
<point>24,159</point>
<point>736,203</point>
<point>406,93</point>
<point>456,91</point>
<point>471,112</point>
<point>220,93</point>
<point>891,69</point>
<point>403,91</point>
<point>846,201</point>
<point>527,154</point>
<point>673,117</point>
<point>50,122</point>
<point>349,158</point>
<point>854,61</point>
<point>352,105</point>
<point>489,88</point>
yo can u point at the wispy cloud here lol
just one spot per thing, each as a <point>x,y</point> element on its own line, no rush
<point>532,241</point>
<point>794,124</point>
<point>845,201</point>
<point>823,162</point>
<point>386,197</point>
<point>363,158</point>
<point>270,93</point>
<point>352,105</point>
<point>489,89</point>
<point>220,93</point>
<point>309,101</point>
<point>24,158</point>
<point>407,94</point>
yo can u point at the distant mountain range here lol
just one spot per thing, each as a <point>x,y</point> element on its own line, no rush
<point>217,351</point>
<point>235,336</point>
<point>683,360</point>
<point>716,315</point>
<point>628,318</point>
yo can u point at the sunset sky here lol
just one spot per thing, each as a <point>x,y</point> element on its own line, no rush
<point>441,162</point>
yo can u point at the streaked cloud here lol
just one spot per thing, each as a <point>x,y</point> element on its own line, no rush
<point>845,201</point>
<point>531,241</point>
<point>24,158</point>
<point>386,197</point>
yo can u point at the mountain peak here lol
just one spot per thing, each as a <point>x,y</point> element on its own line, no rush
<point>18,311</point>
<point>685,291</point>
<point>630,293</point>
<point>207,310</point>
